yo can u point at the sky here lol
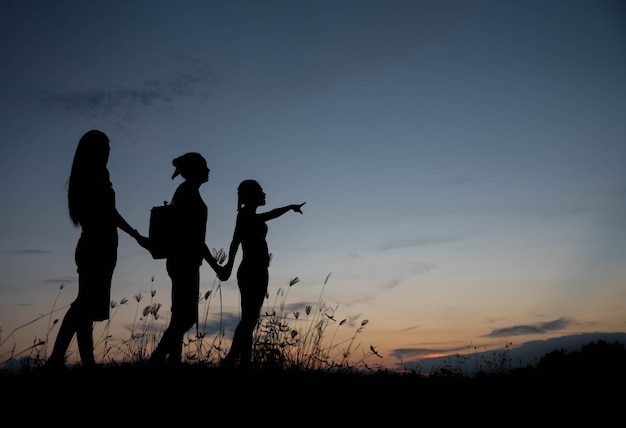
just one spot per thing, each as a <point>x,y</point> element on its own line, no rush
<point>462,162</point>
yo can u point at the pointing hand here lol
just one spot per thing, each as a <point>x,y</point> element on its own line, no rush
<point>298,208</point>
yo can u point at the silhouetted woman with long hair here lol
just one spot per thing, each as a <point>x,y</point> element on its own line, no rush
<point>91,203</point>
<point>253,272</point>
<point>184,261</point>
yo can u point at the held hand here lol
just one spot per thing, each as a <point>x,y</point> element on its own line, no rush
<point>298,208</point>
<point>223,273</point>
<point>144,241</point>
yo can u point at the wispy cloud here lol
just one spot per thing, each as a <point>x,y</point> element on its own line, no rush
<point>299,306</point>
<point>536,328</point>
<point>190,78</point>
<point>406,243</point>
<point>413,327</point>
<point>416,268</point>
<point>407,354</point>
<point>227,322</point>
<point>392,283</point>
<point>59,280</point>
<point>28,251</point>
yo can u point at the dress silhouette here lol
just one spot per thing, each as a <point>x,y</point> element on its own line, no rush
<point>252,274</point>
<point>184,261</point>
<point>91,203</point>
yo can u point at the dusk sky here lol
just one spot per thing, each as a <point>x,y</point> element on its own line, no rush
<point>462,162</point>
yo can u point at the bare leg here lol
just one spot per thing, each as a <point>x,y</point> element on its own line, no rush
<point>68,328</point>
<point>84,337</point>
<point>241,347</point>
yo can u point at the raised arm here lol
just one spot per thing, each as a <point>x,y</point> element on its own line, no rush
<point>277,212</point>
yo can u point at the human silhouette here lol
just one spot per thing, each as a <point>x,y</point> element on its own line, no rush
<point>183,263</point>
<point>252,274</point>
<point>92,208</point>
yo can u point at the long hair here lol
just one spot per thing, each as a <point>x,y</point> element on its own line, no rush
<point>89,169</point>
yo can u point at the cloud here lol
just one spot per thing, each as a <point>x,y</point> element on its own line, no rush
<point>351,320</point>
<point>528,353</point>
<point>29,252</point>
<point>405,354</point>
<point>405,243</point>
<point>537,328</point>
<point>391,283</point>
<point>189,79</point>
<point>417,268</point>
<point>61,281</point>
<point>413,327</point>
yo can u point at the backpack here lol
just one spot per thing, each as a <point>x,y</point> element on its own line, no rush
<point>162,230</point>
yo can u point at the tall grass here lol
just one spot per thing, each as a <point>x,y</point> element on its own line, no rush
<point>475,362</point>
<point>294,341</point>
<point>313,338</point>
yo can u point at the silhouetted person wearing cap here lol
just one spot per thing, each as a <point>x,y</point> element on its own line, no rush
<point>184,261</point>
<point>252,274</point>
<point>91,203</point>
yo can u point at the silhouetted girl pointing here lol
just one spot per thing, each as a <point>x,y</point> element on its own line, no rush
<point>252,275</point>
